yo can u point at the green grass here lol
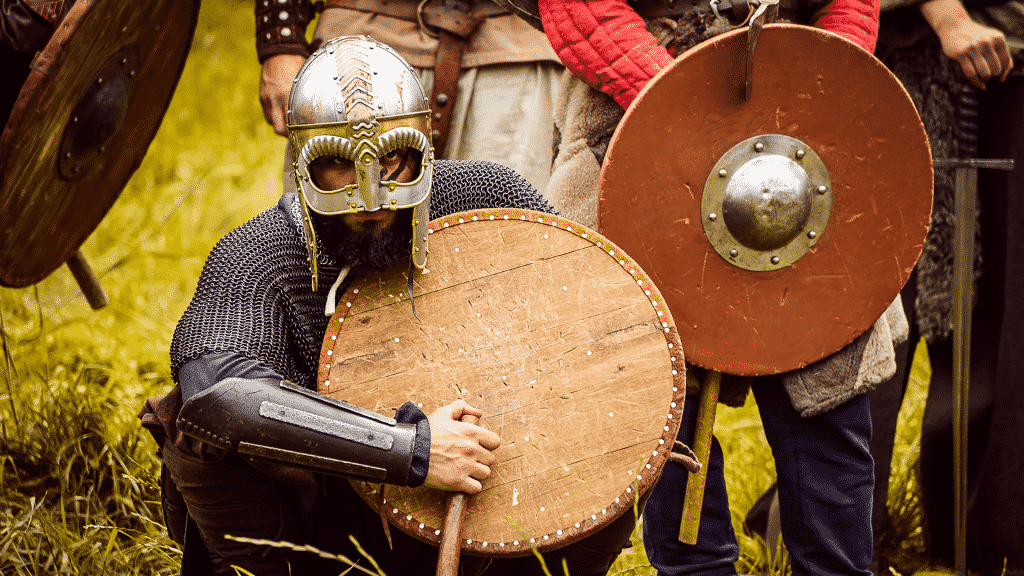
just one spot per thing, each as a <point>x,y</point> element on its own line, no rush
<point>78,476</point>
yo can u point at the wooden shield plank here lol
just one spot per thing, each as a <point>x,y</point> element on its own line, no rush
<point>81,125</point>
<point>810,85</point>
<point>559,338</point>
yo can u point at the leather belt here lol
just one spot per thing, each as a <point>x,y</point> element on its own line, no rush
<point>406,9</point>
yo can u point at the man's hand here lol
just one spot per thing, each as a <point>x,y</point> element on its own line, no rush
<point>276,86</point>
<point>981,51</point>
<point>460,453</point>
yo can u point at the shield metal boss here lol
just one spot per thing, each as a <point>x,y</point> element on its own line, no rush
<point>780,228</point>
<point>557,336</point>
<point>81,125</point>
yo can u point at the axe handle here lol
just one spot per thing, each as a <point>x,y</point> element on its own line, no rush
<point>87,281</point>
<point>448,555</point>
<point>694,500</point>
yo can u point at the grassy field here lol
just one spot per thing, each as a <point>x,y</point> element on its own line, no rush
<point>78,476</point>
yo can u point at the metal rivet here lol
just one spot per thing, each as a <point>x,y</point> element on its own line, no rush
<point>759,147</point>
<point>712,216</point>
<point>723,173</point>
<point>436,134</point>
<point>800,153</point>
<point>734,252</point>
<point>442,100</point>
<point>812,234</point>
<point>775,259</point>
<point>822,189</point>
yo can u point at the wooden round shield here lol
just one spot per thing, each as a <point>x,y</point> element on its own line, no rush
<point>561,340</point>
<point>817,99</point>
<point>81,125</point>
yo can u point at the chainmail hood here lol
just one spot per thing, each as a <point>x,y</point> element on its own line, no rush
<point>255,297</point>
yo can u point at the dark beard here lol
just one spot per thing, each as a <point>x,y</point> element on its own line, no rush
<point>373,246</point>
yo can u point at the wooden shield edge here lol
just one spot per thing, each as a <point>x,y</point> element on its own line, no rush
<point>585,526</point>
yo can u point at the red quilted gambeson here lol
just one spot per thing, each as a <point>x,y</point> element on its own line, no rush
<point>606,43</point>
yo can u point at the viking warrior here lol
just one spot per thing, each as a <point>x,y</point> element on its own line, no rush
<point>481,66</point>
<point>939,49</point>
<point>821,444</point>
<point>249,448</point>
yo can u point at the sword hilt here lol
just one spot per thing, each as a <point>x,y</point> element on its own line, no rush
<point>967,121</point>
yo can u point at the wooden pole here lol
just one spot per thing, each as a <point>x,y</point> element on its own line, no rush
<point>694,500</point>
<point>87,281</point>
<point>448,555</point>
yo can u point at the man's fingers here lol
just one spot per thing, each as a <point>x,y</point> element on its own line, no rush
<point>1003,52</point>
<point>461,408</point>
<point>980,60</point>
<point>969,71</point>
<point>278,121</point>
<point>489,440</point>
<point>470,486</point>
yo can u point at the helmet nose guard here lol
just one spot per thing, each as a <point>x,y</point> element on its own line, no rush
<point>358,100</point>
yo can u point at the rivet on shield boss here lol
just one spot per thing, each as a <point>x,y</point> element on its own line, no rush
<point>79,128</point>
<point>776,184</point>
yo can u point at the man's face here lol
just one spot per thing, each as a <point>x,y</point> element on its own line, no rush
<point>365,237</point>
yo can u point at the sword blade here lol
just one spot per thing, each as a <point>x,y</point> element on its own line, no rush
<point>966,193</point>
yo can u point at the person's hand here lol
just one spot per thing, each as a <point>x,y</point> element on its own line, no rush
<point>276,86</point>
<point>981,51</point>
<point>460,453</point>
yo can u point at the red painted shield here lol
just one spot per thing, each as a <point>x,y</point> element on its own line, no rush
<point>808,85</point>
<point>81,125</point>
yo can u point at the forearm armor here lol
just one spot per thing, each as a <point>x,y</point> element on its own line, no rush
<point>279,422</point>
<point>281,27</point>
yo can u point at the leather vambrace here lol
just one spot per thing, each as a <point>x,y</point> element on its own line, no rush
<point>276,421</point>
<point>281,27</point>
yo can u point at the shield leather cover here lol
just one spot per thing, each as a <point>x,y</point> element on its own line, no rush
<point>810,85</point>
<point>562,342</point>
<point>81,125</point>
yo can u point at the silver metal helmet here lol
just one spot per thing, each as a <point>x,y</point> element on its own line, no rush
<point>358,100</point>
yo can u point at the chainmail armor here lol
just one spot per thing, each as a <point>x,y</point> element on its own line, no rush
<point>254,295</point>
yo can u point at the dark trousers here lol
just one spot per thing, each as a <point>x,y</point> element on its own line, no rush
<point>231,496</point>
<point>825,482</point>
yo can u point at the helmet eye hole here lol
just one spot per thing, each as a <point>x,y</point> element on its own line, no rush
<point>400,165</point>
<point>332,172</point>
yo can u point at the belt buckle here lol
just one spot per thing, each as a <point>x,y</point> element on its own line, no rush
<point>419,18</point>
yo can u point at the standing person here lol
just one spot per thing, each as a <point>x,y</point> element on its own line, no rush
<point>939,49</point>
<point>251,337</point>
<point>492,79</point>
<point>25,28</point>
<point>822,454</point>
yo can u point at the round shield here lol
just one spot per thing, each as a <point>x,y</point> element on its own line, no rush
<point>557,336</point>
<point>780,228</point>
<point>81,125</point>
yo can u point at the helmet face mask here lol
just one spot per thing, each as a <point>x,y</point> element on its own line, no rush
<point>356,100</point>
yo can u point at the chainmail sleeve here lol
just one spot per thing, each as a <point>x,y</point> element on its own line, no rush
<point>254,298</point>
<point>461,185</point>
